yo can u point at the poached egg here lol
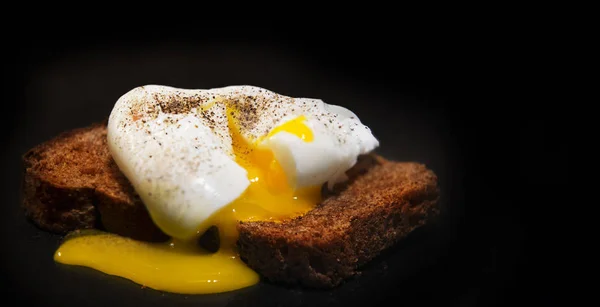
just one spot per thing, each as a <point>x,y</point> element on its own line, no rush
<point>202,158</point>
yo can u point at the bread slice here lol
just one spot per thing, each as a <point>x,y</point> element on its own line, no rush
<point>345,231</point>
<point>71,182</point>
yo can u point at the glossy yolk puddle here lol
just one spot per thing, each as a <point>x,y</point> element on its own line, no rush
<point>184,267</point>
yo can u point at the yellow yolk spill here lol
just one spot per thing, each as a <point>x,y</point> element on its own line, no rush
<point>184,267</point>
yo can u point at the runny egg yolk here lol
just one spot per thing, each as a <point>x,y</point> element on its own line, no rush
<point>184,267</point>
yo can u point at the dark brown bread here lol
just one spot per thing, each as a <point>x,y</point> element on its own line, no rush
<point>329,243</point>
<point>71,182</point>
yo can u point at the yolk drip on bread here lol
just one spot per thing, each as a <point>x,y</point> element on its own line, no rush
<point>183,266</point>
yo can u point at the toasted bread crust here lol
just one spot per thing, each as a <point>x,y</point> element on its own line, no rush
<point>71,182</point>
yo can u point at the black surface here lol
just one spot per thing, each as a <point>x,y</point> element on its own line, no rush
<point>416,99</point>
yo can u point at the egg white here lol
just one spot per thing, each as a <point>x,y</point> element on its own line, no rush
<point>183,167</point>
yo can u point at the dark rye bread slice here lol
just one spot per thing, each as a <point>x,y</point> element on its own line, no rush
<point>328,244</point>
<point>71,182</point>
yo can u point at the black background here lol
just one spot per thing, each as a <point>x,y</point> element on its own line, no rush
<point>438,97</point>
